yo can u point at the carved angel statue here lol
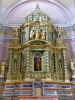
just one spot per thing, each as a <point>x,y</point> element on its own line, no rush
<point>3,66</point>
<point>16,30</point>
<point>59,40</point>
<point>59,32</point>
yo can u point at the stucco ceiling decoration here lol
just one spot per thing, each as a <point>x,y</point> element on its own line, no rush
<point>59,14</point>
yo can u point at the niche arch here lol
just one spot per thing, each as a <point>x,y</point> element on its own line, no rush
<point>37,61</point>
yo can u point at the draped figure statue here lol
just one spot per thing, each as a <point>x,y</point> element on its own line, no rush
<point>72,66</point>
<point>43,35</point>
<point>38,34</point>
<point>32,34</point>
<point>37,62</point>
<point>3,67</point>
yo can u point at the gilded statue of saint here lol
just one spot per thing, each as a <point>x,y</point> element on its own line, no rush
<point>37,64</point>
<point>38,34</point>
<point>59,32</point>
<point>16,31</point>
<point>43,35</point>
<point>3,66</point>
<point>32,34</point>
<point>72,66</point>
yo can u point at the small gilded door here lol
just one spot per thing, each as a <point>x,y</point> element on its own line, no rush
<point>38,92</point>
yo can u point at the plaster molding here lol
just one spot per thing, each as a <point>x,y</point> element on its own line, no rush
<point>8,37</point>
<point>74,8</point>
<point>1,38</point>
<point>0,11</point>
<point>63,9</point>
<point>73,42</point>
<point>66,9</point>
<point>54,23</point>
<point>71,37</point>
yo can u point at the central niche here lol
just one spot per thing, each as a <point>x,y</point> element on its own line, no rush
<point>37,62</point>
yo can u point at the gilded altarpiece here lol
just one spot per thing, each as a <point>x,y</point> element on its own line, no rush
<point>37,57</point>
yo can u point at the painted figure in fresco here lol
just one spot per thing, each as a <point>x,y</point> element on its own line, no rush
<point>3,66</point>
<point>43,35</point>
<point>72,66</point>
<point>32,34</point>
<point>37,64</point>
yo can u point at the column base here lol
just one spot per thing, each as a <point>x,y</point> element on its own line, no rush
<point>73,76</point>
<point>19,77</point>
<point>67,81</point>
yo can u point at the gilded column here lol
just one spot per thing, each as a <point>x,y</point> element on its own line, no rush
<point>19,63</point>
<point>56,63</point>
<point>19,68</point>
<point>46,32</point>
<point>10,63</point>
<point>31,62</point>
<point>44,62</point>
<point>10,68</point>
<point>27,59</point>
<point>48,74</point>
<point>47,60</point>
<point>21,37</point>
<point>65,66</point>
<point>27,74</point>
<point>28,31</point>
<point>51,62</point>
<point>22,63</point>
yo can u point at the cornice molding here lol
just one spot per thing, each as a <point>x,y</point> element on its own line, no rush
<point>8,37</point>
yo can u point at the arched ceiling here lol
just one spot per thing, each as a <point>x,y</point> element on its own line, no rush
<point>60,12</point>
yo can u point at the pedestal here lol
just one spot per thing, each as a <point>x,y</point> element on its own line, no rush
<point>19,77</point>
<point>1,86</point>
<point>73,78</point>
<point>38,98</point>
